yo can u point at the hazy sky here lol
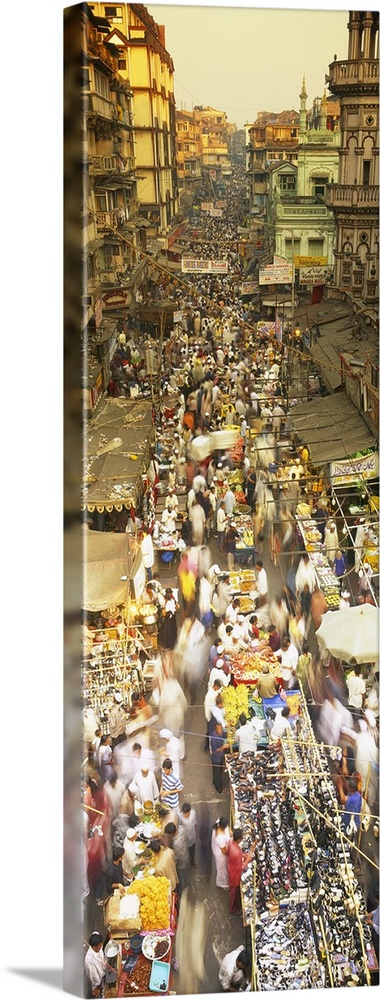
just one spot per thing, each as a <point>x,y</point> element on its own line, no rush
<point>245,59</point>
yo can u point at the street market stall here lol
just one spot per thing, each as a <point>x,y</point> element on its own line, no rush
<point>116,455</point>
<point>301,887</point>
<point>311,538</point>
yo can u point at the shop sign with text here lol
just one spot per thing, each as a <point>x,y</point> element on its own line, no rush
<point>192,266</point>
<point>117,297</point>
<point>365,466</point>
<point>313,275</point>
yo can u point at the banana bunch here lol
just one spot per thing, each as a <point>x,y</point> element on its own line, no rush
<point>235,701</point>
<point>248,537</point>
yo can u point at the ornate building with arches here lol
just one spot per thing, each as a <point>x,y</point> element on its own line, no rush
<point>354,199</point>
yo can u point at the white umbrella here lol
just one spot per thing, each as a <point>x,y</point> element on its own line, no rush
<point>352,636</point>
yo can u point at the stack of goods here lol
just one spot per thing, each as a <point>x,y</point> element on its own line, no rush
<point>286,956</point>
<point>264,811</point>
<point>285,802</point>
<point>242,582</point>
<point>247,664</point>
<point>328,582</point>
<point>236,452</point>
<point>154,895</point>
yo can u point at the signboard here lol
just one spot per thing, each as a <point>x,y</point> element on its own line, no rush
<point>173,236</point>
<point>280,261</point>
<point>313,275</point>
<point>117,297</point>
<point>177,316</point>
<point>309,261</point>
<point>266,328</point>
<point>221,204</point>
<point>206,206</point>
<point>347,470</point>
<point>213,174</point>
<point>249,287</point>
<point>216,213</point>
<point>191,266</point>
<point>275,275</point>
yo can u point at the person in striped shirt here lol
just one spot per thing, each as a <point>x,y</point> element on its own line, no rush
<point>171,785</point>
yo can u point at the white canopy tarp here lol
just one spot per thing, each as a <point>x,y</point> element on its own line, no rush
<point>105,561</point>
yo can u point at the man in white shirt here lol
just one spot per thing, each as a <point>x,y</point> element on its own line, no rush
<point>288,656</point>
<point>168,519</point>
<point>356,688</point>
<point>144,785</point>
<point>217,673</point>
<point>208,705</point>
<point>172,501</point>
<point>232,611</point>
<point>281,724</point>
<point>95,964</point>
<point>221,520</point>
<point>246,735</point>
<point>261,582</point>
<point>234,969</point>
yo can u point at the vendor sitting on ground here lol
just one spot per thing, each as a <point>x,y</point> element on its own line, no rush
<point>234,970</point>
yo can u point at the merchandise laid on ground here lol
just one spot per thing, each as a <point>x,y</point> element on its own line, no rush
<point>300,896</point>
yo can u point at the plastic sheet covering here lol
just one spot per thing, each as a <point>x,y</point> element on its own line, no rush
<point>105,560</point>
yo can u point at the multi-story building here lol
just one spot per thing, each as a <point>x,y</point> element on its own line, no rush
<point>302,223</point>
<point>354,199</point>
<point>112,267</point>
<point>271,138</point>
<point>189,150</point>
<point>144,60</point>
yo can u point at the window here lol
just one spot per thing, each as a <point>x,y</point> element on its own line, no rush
<point>315,247</point>
<point>101,84</point>
<point>366,168</point>
<point>101,202</point>
<point>187,167</point>
<point>290,250</point>
<point>122,64</point>
<point>375,376</point>
<point>287,182</point>
<point>114,13</point>
<point>319,185</point>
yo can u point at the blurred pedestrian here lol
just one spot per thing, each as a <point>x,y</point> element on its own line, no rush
<point>188,819</point>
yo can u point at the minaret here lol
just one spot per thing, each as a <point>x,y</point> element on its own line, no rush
<point>323,119</point>
<point>303,99</point>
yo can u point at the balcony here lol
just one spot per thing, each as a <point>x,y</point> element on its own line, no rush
<point>107,220</point>
<point>100,107</point>
<point>114,164</point>
<point>352,196</point>
<point>353,75</point>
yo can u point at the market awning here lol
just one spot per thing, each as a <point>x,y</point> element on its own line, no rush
<point>332,428</point>
<point>105,560</point>
<point>116,454</point>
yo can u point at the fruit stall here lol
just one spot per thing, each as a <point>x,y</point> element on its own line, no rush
<point>301,899</point>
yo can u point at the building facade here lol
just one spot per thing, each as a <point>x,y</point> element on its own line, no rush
<point>112,265</point>
<point>302,224</point>
<point>271,138</point>
<point>354,198</point>
<point>144,60</point>
<point>189,151</point>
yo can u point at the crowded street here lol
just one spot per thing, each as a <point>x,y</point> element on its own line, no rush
<point>208,676</point>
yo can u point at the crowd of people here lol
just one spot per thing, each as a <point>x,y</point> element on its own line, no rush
<point>223,374</point>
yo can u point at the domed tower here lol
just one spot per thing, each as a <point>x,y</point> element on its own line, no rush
<point>354,200</point>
